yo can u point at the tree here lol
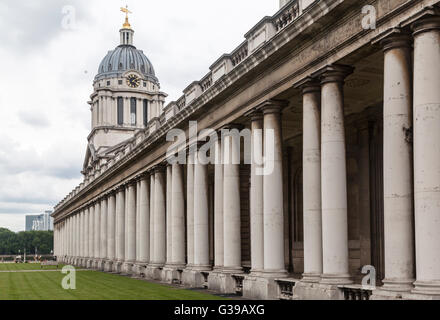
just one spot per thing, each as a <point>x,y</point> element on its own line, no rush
<point>11,243</point>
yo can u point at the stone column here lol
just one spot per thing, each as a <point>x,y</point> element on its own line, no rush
<point>86,235</point>
<point>256,196</point>
<point>103,245</point>
<point>274,264</point>
<point>120,228</point>
<point>111,231</point>
<point>177,217</point>
<point>81,235</point>
<point>312,181</point>
<point>231,202</point>
<point>397,163</point>
<point>152,186</point>
<point>190,209</point>
<point>77,237</point>
<point>159,218</point>
<point>69,224</point>
<point>138,212</point>
<point>126,234</point>
<point>97,232</point>
<point>334,177</point>
<point>218,207</point>
<point>169,226</point>
<point>73,237</point>
<point>91,232</point>
<point>130,254</point>
<point>144,221</point>
<point>201,223</point>
<point>427,154</point>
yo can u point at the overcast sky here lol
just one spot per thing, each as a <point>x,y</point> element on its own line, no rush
<point>48,62</point>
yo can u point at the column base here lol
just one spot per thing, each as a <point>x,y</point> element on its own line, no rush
<point>117,266</point>
<point>380,294</point>
<point>304,290</point>
<point>154,271</point>
<point>311,277</point>
<point>89,264</point>
<point>223,282</point>
<point>335,279</point>
<point>172,273</point>
<point>108,266</point>
<point>127,267</point>
<point>261,287</point>
<point>139,269</point>
<point>398,285</point>
<point>100,265</point>
<point>196,277</point>
<point>427,288</point>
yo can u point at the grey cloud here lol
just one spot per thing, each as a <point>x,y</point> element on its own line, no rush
<point>34,119</point>
<point>33,24</point>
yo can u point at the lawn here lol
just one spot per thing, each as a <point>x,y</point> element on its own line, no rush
<point>90,285</point>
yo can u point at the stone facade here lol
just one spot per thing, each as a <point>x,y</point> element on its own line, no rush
<point>354,111</point>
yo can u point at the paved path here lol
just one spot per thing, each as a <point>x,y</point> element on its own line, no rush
<point>51,270</point>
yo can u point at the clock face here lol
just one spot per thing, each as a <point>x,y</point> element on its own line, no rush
<point>133,81</point>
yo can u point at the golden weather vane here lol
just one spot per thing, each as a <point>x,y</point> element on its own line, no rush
<point>126,25</point>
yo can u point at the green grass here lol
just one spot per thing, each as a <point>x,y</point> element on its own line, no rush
<point>90,285</point>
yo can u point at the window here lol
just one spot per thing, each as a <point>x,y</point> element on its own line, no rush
<point>108,83</point>
<point>133,111</point>
<point>97,112</point>
<point>120,111</point>
<point>145,112</point>
<point>145,84</point>
<point>120,82</point>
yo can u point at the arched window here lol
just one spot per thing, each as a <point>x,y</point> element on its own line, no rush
<point>120,66</point>
<point>120,111</point>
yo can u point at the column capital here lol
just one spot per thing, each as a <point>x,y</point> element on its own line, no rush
<point>394,38</point>
<point>428,23</point>
<point>131,182</point>
<point>333,73</point>
<point>120,188</point>
<point>254,115</point>
<point>272,106</point>
<point>159,168</point>
<point>144,175</point>
<point>309,85</point>
<point>231,126</point>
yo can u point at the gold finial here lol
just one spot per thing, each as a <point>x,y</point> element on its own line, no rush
<point>126,25</point>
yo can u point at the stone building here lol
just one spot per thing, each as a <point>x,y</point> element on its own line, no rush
<point>350,91</point>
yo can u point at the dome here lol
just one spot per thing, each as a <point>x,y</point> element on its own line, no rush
<point>125,58</point>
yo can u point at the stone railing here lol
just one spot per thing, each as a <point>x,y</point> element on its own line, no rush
<point>240,54</point>
<point>206,82</point>
<point>356,292</point>
<point>286,286</point>
<point>238,283</point>
<point>287,15</point>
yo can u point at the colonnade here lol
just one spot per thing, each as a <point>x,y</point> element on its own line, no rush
<point>151,225</point>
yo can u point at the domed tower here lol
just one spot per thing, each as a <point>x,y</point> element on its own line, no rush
<point>126,98</point>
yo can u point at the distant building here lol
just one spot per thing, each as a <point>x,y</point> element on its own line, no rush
<point>42,222</point>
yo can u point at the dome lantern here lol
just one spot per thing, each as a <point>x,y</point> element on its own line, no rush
<point>126,32</point>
